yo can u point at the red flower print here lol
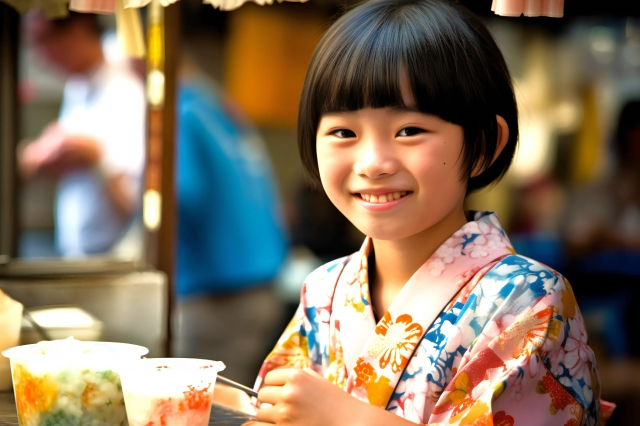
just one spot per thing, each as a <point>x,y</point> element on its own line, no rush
<point>467,379</point>
<point>560,398</point>
<point>396,341</point>
<point>502,419</point>
<point>486,360</point>
<point>365,373</point>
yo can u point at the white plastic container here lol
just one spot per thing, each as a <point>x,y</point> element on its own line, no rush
<point>69,382</point>
<point>169,391</point>
<point>10,320</point>
<point>61,322</point>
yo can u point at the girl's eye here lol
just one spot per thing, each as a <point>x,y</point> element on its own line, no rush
<point>344,133</point>
<point>410,131</point>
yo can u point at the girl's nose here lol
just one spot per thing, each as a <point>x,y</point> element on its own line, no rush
<point>375,160</point>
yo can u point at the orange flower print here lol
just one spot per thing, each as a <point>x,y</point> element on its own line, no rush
<point>395,341</point>
<point>526,333</point>
<point>365,373</point>
<point>291,353</point>
<point>502,419</point>
<point>379,392</point>
<point>377,387</point>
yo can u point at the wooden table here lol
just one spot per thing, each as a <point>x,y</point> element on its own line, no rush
<point>220,416</point>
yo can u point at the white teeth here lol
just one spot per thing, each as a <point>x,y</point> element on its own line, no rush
<point>383,198</point>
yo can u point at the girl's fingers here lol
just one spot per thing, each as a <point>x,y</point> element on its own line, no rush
<point>268,415</point>
<point>270,394</point>
<point>312,372</point>
<point>278,377</point>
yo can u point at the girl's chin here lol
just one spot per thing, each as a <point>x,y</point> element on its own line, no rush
<point>385,233</point>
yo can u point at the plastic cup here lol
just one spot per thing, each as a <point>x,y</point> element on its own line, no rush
<point>10,322</point>
<point>69,382</point>
<point>169,391</point>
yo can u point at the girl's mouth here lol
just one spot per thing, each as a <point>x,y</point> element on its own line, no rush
<point>382,198</point>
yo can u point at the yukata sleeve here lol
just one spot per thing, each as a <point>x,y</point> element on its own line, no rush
<point>533,368</point>
<point>291,351</point>
<point>300,346</point>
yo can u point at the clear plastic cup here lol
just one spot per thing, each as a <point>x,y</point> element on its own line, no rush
<point>10,322</point>
<point>169,391</point>
<point>69,382</point>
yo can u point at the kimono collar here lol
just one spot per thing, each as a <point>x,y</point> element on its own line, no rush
<point>375,355</point>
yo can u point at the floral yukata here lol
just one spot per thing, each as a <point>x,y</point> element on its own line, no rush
<point>509,348</point>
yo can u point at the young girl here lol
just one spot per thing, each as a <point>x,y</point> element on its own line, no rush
<point>406,109</point>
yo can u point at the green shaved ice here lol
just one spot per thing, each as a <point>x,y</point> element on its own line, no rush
<point>86,398</point>
<point>59,418</point>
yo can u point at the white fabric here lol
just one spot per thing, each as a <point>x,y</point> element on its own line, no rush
<point>109,105</point>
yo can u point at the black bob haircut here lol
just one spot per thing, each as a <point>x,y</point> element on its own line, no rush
<point>451,63</point>
<point>628,121</point>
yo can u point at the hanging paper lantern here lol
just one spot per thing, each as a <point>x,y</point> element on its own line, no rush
<point>109,6</point>
<point>550,8</point>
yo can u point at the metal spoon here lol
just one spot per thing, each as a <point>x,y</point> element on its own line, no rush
<point>237,385</point>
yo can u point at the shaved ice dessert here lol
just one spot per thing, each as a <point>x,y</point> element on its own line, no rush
<point>70,383</point>
<point>169,391</point>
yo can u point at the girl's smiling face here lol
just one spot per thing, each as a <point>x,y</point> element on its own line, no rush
<point>393,172</point>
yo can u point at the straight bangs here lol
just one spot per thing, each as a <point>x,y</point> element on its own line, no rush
<point>366,63</point>
<point>363,72</point>
<point>429,55</point>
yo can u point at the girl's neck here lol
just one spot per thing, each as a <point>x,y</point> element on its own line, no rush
<point>397,260</point>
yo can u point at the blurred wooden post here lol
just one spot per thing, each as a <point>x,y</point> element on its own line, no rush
<point>9,129</point>
<point>159,203</point>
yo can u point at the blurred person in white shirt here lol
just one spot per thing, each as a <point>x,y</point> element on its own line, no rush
<point>96,148</point>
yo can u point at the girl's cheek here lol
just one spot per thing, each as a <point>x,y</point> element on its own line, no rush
<point>333,165</point>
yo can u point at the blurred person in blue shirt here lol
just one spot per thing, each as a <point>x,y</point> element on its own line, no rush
<point>232,238</point>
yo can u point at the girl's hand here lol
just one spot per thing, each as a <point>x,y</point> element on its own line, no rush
<point>233,398</point>
<point>302,397</point>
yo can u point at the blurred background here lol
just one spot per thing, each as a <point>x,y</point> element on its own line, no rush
<point>250,228</point>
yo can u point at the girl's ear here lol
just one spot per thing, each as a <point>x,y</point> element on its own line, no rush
<point>503,137</point>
